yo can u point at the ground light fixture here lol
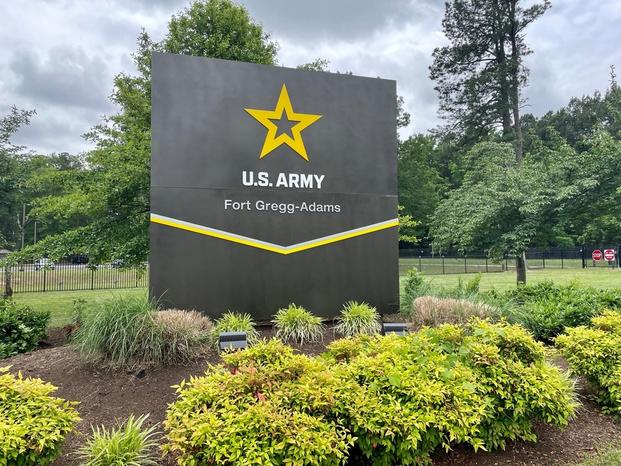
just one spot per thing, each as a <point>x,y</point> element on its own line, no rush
<point>232,340</point>
<point>398,328</point>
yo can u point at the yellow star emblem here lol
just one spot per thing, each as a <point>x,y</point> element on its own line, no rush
<point>266,117</point>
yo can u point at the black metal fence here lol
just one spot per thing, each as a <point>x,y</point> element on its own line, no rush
<point>44,275</point>
<point>446,262</point>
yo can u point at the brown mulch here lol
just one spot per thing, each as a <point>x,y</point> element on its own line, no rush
<point>105,397</point>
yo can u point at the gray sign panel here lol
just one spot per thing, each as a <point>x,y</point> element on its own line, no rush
<point>270,186</point>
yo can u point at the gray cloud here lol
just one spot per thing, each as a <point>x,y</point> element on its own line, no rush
<point>65,69</point>
<point>66,76</point>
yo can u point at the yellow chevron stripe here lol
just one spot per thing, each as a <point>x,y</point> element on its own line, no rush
<point>273,247</point>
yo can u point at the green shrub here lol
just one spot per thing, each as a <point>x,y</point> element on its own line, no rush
<point>431,311</point>
<point>296,324</point>
<point>595,353</point>
<point>477,385</point>
<point>128,443</point>
<point>547,309</point>
<point>21,328</point>
<point>414,286</point>
<point>269,407</point>
<point>391,400</point>
<point>236,322</point>
<point>358,319</point>
<point>33,424</point>
<point>472,286</point>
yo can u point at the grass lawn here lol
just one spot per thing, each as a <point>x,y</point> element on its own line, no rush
<point>60,303</point>
<point>598,278</point>
<point>610,457</point>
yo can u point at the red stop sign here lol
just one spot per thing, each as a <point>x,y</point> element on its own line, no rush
<point>596,255</point>
<point>609,254</point>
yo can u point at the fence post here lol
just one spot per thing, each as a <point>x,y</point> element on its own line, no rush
<point>44,277</point>
<point>506,263</point>
<point>583,252</point>
<point>92,277</point>
<point>443,272</point>
<point>420,263</point>
<point>465,263</point>
<point>543,257</point>
<point>486,269</point>
<point>562,263</point>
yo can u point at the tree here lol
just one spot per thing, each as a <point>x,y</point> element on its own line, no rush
<point>504,206</point>
<point>480,75</point>
<point>581,117</point>
<point>11,180</point>
<point>420,185</point>
<point>115,191</point>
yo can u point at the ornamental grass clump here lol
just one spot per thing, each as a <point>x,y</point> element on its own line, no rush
<point>128,444</point>
<point>370,399</point>
<point>186,334</point>
<point>122,334</point>
<point>358,319</point>
<point>33,423</point>
<point>131,332</point>
<point>296,324</point>
<point>595,353</point>
<point>235,322</point>
<point>431,311</point>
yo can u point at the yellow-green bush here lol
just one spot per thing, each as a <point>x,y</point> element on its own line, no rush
<point>263,406</point>
<point>595,353</point>
<point>33,424</point>
<point>391,400</point>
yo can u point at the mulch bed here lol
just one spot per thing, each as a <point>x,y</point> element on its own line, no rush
<point>105,397</point>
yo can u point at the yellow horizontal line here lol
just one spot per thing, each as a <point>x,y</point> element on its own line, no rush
<point>202,230</point>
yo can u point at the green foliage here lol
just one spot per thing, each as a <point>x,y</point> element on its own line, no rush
<point>420,183</point>
<point>595,353</point>
<point>269,407</point>
<point>388,400</point>
<point>472,286</point>
<point>358,319</point>
<point>479,75</point>
<point>236,322</point>
<point>415,286</point>
<point>11,175</point>
<point>296,324</point>
<point>505,207</point>
<point>407,227</point>
<point>21,328</point>
<point>127,444</point>
<point>33,424</point>
<point>547,309</point>
<point>121,334</point>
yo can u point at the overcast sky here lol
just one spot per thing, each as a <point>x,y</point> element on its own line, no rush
<point>59,56</point>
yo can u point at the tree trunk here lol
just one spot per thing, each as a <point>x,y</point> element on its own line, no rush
<point>515,86</point>
<point>520,268</point>
<point>8,289</point>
